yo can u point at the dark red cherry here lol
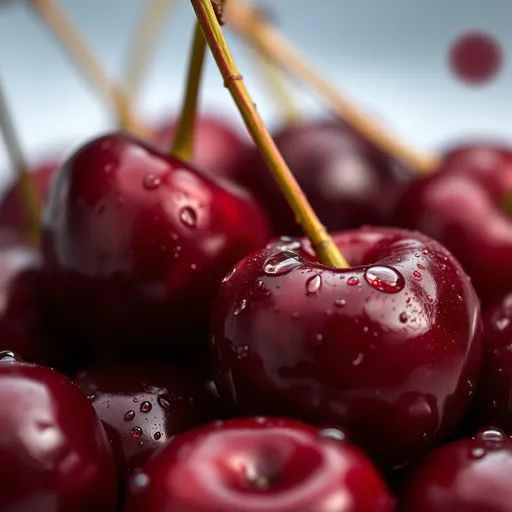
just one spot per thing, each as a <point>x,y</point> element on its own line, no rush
<point>258,465</point>
<point>347,180</point>
<point>26,325</point>
<point>469,475</point>
<point>493,405</point>
<point>137,243</point>
<point>467,206</point>
<point>55,454</point>
<point>12,211</point>
<point>144,405</point>
<point>217,145</point>
<point>476,57</point>
<point>388,349</point>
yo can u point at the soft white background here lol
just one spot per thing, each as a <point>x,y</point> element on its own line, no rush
<point>389,54</point>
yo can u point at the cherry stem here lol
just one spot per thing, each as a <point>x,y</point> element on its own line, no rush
<point>75,45</point>
<point>268,40</point>
<point>326,249</point>
<point>26,186</point>
<point>183,143</point>
<point>143,42</point>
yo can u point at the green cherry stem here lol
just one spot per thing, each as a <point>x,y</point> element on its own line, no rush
<point>183,143</point>
<point>26,187</point>
<point>326,249</point>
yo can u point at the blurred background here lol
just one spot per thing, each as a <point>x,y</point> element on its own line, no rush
<point>390,55</point>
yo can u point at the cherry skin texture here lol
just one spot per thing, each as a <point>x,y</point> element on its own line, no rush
<point>216,145</point>
<point>469,475</point>
<point>12,211</point>
<point>144,405</point>
<point>493,405</point>
<point>466,206</point>
<point>388,349</point>
<point>137,242</point>
<point>258,465</point>
<point>347,181</point>
<point>55,454</point>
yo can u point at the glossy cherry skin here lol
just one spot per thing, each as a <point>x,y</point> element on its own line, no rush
<point>27,327</point>
<point>464,206</point>
<point>217,145</point>
<point>55,454</point>
<point>469,475</point>
<point>143,405</point>
<point>137,242</point>
<point>347,180</point>
<point>12,211</point>
<point>258,465</point>
<point>394,362</point>
<point>493,405</point>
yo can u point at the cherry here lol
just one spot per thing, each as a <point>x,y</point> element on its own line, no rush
<point>493,404</point>
<point>470,475</point>
<point>396,339</point>
<point>25,322</point>
<point>54,451</point>
<point>136,243</point>
<point>144,405</point>
<point>347,180</point>
<point>476,57</point>
<point>466,206</point>
<point>258,465</point>
<point>217,145</point>
<point>12,211</point>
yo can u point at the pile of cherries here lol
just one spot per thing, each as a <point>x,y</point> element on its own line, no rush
<point>174,345</point>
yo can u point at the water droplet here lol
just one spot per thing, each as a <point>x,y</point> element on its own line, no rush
<point>129,416</point>
<point>135,399</point>
<point>352,281</point>
<point>475,57</point>
<point>157,436</point>
<point>7,356</point>
<point>502,323</point>
<point>189,217</point>
<point>287,243</point>
<point>340,303</point>
<point>151,181</point>
<point>385,279</point>
<point>416,275</point>
<point>430,299</point>
<point>240,307</point>
<point>229,275</point>
<point>459,298</point>
<point>140,480</point>
<point>425,252</point>
<point>136,432</point>
<point>141,444</point>
<point>145,406</point>
<point>358,360</point>
<point>281,263</point>
<point>491,437</point>
<point>420,266</point>
<point>163,402</point>
<point>477,453</point>
<point>313,284</point>
<point>403,317</point>
<point>332,433</point>
<point>317,338</point>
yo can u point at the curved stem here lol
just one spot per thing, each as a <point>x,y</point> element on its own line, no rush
<point>26,186</point>
<point>143,42</point>
<point>326,249</point>
<point>67,34</point>
<point>273,44</point>
<point>183,142</point>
